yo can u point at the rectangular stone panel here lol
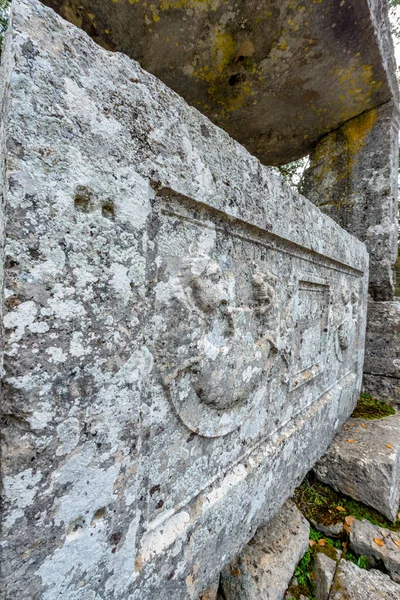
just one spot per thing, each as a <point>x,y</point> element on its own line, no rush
<point>183,332</point>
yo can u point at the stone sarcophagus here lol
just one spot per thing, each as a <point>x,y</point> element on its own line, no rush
<point>183,333</point>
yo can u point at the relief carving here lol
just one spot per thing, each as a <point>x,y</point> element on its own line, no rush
<point>214,371</point>
<point>345,331</point>
<point>263,284</point>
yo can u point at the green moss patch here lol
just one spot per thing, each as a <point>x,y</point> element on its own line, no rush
<point>368,408</point>
<point>322,504</point>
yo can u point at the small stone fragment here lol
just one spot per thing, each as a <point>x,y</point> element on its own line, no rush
<point>265,567</point>
<point>353,583</point>
<point>334,530</point>
<point>324,568</point>
<point>378,545</point>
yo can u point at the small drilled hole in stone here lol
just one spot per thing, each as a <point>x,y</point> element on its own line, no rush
<point>82,203</point>
<point>107,210</point>
<point>99,514</point>
<point>234,79</point>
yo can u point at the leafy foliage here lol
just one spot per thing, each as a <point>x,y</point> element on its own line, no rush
<point>293,172</point>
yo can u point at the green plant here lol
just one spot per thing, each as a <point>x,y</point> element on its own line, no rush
<point>368,408</point>
<point>320,503</point>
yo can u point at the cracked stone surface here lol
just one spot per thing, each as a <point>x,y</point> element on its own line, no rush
<point>265,567</point>
<point>183,332</point>
<point>363,462</point>
<point>381,546</point>
<point>353,583</point>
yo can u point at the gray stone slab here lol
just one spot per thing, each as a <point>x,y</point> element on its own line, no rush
<point>381,546</point>
<point>382,351</point>
<point>265,567</point>
<point>324,568</point>
<point>275,74</point>
<point>147,254</point>
<point>363,462</point>
<point>353,583</point>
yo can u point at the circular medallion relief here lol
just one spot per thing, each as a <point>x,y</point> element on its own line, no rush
<point>211,354</point>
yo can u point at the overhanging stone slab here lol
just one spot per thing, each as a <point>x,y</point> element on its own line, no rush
<point>184,333</point>
<point>275,74</point>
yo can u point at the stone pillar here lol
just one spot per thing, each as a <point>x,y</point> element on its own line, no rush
<point>353,178</point>
<point>382,359</point>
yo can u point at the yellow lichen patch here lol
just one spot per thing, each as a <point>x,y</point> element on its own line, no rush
<point>224,50</point>
<point>357,130</point>
<point>199,5</point>
<point>358,84</point>
<point>337,156</point>
<point>283,45</point>
<point>133,1</point>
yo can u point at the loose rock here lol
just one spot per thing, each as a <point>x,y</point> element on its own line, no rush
<point>333,531</point>
<point>265,567</point>
<point>366,540</point>
<point>325,569</point>
<point>364,462</point>
<point>353,583</point>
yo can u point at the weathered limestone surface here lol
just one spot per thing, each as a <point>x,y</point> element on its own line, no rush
<point>265,567</point>
<point>211,593</point>
<point>382,357</point>
<point>363,462</point>
<point>354,583</point>
<point>381,546</point>
<point>353,178</point>
<point>324,568</point>
<point>275,74</point>
<point>183,333</point>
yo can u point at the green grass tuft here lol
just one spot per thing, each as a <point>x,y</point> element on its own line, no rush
<point>368,408</point>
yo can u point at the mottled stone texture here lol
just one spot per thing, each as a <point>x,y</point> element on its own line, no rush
<point>183,333</point>
<point>353,178</point>
<point>382,356</point>
<point>274,74</point>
